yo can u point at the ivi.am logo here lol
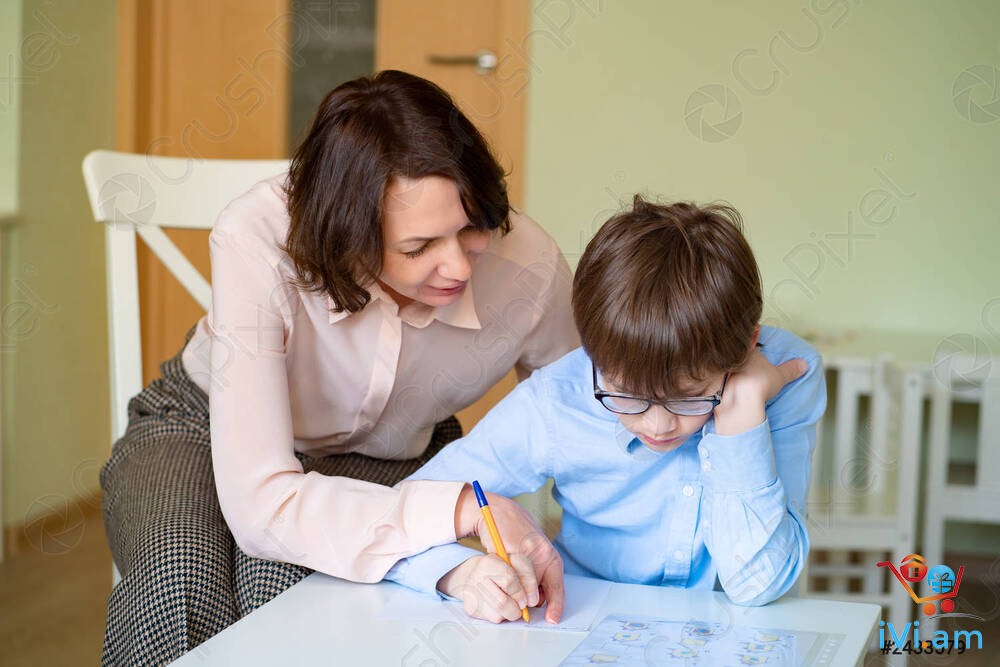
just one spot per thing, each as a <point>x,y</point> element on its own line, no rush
<point>941,586</point>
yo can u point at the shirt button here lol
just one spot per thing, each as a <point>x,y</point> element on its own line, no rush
<point>706,466</point>
<point>678,555</point>
<point>688,491</point>
<point>703,451</point>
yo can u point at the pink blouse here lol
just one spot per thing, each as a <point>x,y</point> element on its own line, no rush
<point>283,372</point>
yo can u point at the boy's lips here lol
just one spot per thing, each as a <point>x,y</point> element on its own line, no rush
<point>659,443</point>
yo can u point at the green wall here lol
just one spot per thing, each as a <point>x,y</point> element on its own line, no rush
<point>643,96</point>
<point>55,429</point>
<point>860,141</point>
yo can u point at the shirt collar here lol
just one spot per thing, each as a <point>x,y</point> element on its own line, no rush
<point>460,313</point>
<point>631,446</point>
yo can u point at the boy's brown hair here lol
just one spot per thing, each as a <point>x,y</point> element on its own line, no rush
<point>665,296</point>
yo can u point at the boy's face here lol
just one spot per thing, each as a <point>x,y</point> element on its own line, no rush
<point>661,430</point>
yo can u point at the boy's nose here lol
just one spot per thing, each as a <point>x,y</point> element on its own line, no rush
<point>659,422</point>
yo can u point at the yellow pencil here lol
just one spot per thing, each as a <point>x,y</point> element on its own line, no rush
<point>491,525</point>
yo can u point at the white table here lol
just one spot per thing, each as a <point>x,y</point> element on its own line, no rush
<point>326,621</point>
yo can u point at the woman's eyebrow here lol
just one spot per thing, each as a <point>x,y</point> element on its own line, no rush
<point>418,238</point>
<point>427,238</point>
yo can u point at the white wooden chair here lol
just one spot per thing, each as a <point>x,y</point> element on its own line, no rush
<point>962,496</point>
<point>142,194</point>
<point>863,496</point>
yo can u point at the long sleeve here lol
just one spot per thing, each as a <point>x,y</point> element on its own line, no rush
<point>508,452</point>
<point>343,527</point>
<point>755,493</point>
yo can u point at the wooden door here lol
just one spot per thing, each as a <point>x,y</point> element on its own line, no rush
<point>421,36</point>
<point>200,80</point>
<point>211,80</point>
<point>418,35</point>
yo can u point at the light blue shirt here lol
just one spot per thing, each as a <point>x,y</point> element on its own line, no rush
<point>727,507</point>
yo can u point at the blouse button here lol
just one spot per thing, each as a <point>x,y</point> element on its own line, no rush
<point>706,466</point>
<point>678,555</point>
<point>688,491</point>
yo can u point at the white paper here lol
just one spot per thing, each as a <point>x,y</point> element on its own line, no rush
<point>584,597</point>
<point>629,641</point>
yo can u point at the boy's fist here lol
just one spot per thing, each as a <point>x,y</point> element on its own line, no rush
<point>749,388</point>
<point>490,589</point>
<point>520,534</point>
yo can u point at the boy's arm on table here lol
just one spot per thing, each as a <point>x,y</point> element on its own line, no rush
<point>507,452</point>
<point>756,483</point>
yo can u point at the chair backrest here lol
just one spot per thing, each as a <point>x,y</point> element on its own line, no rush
<point>851,446</point>
<point>142,194</point>
<point>965,378</point>
<point>865,484</point>
<point>905,387</point>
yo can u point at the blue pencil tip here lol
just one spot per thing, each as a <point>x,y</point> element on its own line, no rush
<point>480,496</point>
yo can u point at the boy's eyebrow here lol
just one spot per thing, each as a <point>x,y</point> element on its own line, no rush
<point>691,394</point>
<point>694,394</point>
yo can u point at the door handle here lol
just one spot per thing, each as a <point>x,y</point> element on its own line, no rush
<point>483,60</point>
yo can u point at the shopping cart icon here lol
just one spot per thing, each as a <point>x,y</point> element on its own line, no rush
<point>941,580</point>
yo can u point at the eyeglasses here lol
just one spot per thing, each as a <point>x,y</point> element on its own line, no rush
<point>624,404</point>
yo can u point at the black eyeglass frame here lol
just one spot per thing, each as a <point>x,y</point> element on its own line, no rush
<point>714,399</point>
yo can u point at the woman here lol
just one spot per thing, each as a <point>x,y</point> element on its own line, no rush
<point>359,300</point>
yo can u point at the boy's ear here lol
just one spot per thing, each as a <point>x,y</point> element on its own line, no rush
<point>753,343</point>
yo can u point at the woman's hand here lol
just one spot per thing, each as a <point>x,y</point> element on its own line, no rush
<point>520,535</point>
<point>748,390</point>
<point>492,590</point>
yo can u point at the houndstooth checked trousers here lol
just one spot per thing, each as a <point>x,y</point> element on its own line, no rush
<point>183,577</point>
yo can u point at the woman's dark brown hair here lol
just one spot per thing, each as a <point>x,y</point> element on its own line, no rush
<point>365,133</point>
<point>665,296</point>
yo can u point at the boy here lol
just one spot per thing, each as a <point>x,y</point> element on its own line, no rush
<point>678,436</point>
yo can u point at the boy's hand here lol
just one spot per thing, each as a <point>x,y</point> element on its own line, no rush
<point>490,589</point>
<point>749,388</point>
<point>521,535</point>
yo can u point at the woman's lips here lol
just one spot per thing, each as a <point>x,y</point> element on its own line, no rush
<point>450,290</point>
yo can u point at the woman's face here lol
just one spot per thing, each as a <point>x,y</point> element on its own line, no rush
<point>430,245</point>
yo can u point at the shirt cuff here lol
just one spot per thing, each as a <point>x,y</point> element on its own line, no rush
<point>740,462</point>
<point>431,506</point>
<point>422,571</point>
